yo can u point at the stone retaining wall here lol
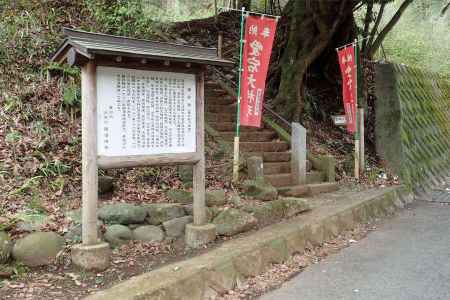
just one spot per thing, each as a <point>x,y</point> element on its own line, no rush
<point>413,123</point>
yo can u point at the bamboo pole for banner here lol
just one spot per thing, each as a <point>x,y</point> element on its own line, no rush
<point>238,110</point>
<point>357,144</point>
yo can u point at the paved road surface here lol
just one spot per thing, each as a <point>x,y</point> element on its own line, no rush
<point>406,258</point>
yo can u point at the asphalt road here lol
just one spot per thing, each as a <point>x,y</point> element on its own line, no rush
<point>407,257</point>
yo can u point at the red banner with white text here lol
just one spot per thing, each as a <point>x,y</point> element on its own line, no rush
<point>259,36</point>
<point>348,69</point>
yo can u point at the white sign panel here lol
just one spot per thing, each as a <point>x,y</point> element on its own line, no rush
<point>339,120</point>
<point>145,112</point>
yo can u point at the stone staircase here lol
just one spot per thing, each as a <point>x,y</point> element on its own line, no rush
<point>220,110</point>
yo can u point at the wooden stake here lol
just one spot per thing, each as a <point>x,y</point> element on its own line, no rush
<point>89,153</point>
<point>220,45</point>
<point>199,206</point>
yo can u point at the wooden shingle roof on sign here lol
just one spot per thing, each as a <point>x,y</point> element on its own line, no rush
<point>89,44</point>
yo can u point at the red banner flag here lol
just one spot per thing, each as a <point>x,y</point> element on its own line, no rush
<point>259,36</point>
<point>348,69</point>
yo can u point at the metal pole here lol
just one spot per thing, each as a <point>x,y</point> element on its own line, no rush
<point>238,112</point>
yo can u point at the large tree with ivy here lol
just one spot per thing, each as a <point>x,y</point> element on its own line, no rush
<point>310,32</point>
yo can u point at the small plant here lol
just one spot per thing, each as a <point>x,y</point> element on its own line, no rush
<point>54,168</point>
<point>13,136</point>
<point>27,185</point>
<point>19,270</point>
<point>72,95</point>
<point>36,205</point>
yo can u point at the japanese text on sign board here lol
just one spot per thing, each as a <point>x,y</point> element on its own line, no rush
<point>145,112</point>
<point>259,36</point>
<point>348,70</point>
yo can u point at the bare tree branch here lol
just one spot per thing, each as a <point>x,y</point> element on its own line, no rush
<point>374,30</point>
<point>445,8</point>
<point>367,21</point>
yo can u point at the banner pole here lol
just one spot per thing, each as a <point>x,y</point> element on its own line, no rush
<point>238,111</point>
<point>357,145</point>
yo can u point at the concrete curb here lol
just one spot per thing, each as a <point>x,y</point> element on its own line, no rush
<point>223,268</point>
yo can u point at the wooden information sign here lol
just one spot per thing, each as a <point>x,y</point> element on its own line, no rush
<point>142,105</point>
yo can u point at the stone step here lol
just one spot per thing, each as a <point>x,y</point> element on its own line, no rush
<point>250,136</point>
<point>221,108</point>
<point>264,146</point>
<point>225,100</point>
<point>279,180</point>
<point>285,179</point>
<point>230,126</point>
<point>215,93</point>
<point>222,117</point>
<point>277,167</point>
<point>308,189</point>
<point>272,156</point>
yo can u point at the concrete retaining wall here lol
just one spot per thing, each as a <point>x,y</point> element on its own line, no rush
<point>413,123</point>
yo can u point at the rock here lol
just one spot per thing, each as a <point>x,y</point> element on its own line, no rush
<point>236,201</point>
<point>162,212</point>
<point>259,189</point>
<point>30,222</point>
<point>175,227</point>
<point>148,233</point>
<point>105,184</point>
<point>38,249</point>
<point>122,213</point>
<point>293,206</point>
<point>74,233</point>
<point>118,235</point>
<point>211,212</point>
<point>5,247</point>
<point>233,221</point>
<point>216,197</point>
<point>180,196</point>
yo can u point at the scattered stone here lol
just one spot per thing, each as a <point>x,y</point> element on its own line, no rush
<point>180,196</point>
<point>175,228</point>
<point>211,212</point>
<point>162,212</point>
<point>118,235</point>
<point>122,213</point>
<point>5,247</point>
<point>233,221</point>
<point>38,249</point>
<point>189,209</point>
<point>148,233</point>
<point>281,208</point>
<point>259,189</point>
<point>105,184</point>
<point>216,197</point>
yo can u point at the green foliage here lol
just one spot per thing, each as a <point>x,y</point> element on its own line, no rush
<point>13,137</point>
<point>421,38</point>
<point>72,95</point>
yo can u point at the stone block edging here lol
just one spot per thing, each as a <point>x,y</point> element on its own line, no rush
<point>225,267</point>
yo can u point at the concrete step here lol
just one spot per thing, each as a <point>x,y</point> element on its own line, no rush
<point>230,126</point>
<point>308,189</point>
<point>221,117</point>
<point>279,180</point>
<point>277,167</point>
<point>221,108</point>
<point>225,100</point>
<point>264,146</point>
<point>272,156</point>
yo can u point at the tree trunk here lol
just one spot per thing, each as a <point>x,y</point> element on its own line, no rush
<point>314,30</point>
<point>245,3</point>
